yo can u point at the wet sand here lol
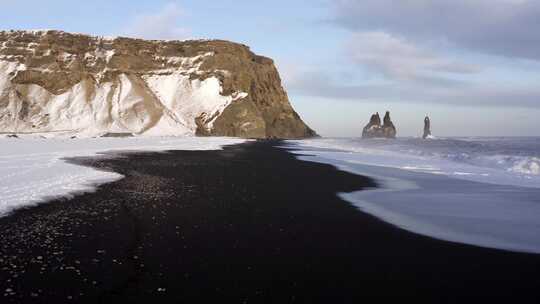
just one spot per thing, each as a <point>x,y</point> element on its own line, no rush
<point>250,223</point>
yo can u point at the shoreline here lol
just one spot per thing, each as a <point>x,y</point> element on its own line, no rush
<point>442,206</point>
<point>249,222</point>
<point>35,170</point>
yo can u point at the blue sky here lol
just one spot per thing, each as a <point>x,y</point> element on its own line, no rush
<point>472,65</point>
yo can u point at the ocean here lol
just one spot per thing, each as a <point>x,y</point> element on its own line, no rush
<point>483,191</point>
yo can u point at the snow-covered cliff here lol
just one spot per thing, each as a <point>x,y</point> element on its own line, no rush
<point>52,81</point>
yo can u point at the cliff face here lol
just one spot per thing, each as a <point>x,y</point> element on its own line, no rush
<point>55,81</point>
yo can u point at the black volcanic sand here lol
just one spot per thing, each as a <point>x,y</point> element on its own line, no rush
<point>246,224</point>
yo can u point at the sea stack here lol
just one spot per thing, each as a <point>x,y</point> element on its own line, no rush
<point>388,127</point>
<point>374,129</point>
<point>427,127</point>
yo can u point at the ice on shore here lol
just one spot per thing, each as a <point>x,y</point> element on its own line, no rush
<point>33,169</point>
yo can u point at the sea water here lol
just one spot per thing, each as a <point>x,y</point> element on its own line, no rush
<point>482,191</point>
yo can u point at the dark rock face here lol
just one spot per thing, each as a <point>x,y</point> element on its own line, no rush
<point>388,127</point>
<point>427,128</point>
<point>266,111</point>
<point>374,129</point>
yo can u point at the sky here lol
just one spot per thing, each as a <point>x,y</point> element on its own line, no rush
<point>473,66</point>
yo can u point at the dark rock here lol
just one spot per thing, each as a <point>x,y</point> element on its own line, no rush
<point>388,127</point>
<point>375,119</point>
<point>117,134</point>
<point>427,127</point>
<point>374,129</point>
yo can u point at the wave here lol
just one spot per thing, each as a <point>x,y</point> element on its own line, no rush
<point>527,166</point>
<point>506,160</point>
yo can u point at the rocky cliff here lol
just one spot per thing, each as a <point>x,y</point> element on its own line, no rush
<point>52,81</point>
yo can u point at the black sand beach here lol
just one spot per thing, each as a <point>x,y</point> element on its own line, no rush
<point>247,224</point>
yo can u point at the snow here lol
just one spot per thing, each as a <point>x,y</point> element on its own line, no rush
<point>64,56</point>
<point>109,55</point>
<point>6,67</point>
<point>108,38</point>
<point>33,169</point>
<point>189,99</point>
<point>185,61</point>
<point>99,53</point>
<point>447,204</point>
<point>161,102</point>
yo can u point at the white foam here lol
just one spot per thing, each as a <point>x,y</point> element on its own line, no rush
<point>482,160</point>
<point>527,166</point>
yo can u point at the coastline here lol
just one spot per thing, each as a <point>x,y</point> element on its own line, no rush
<point>34,169</point>
<point>250,222</point>
<point>451,201</point>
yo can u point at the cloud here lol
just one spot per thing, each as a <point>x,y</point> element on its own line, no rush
<point>320,84</point>
<point>397,58</point>
<point>416,49</point>
<point>500,27</point>
<point>160,25</point>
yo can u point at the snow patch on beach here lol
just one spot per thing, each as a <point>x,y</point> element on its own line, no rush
<point>33,169</point>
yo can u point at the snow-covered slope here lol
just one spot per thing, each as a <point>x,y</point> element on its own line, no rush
<point>52,81</point>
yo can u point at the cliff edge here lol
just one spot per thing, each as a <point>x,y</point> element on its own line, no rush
<point>53,81</point>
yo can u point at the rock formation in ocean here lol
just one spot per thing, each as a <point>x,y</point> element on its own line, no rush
<point>52,81</point>
<point>374,129</point>
<point>427,128</point>
<point>388,127</point>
